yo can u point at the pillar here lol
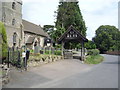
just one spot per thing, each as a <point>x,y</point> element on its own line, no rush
<point>82,51</point>
<point>62,48</point>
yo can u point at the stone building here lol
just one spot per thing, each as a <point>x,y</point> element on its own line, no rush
<point>20,32</point>
<point>34,35</point>
<point>11,16</point>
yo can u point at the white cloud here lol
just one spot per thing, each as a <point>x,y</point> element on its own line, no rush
<point>98,12</point>
<point>95,12</point>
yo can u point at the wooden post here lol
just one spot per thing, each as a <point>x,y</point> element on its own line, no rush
<point>8,57</point>
<point>62,48</point>
<point>82,51</point>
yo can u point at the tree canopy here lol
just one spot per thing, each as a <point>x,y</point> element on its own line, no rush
<point>90,45</point>
<point>69,13</point>
<point>107,38</point>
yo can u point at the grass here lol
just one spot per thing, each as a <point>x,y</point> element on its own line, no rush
<point>94,59</point>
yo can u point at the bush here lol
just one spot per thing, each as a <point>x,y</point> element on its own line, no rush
<point>94,59</point>
<point>58,52</point>
<point>93,52</point>
<point>3,44</point>
<point>31,51</point>
<point>48,52</point>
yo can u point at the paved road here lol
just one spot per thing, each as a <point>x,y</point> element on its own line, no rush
<point>69,74</point>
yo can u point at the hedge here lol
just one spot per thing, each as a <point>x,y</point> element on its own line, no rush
<point>94,52</point>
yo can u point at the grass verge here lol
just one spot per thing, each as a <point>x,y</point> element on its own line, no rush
<point>94,59</point>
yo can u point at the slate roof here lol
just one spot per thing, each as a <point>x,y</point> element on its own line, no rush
<point>33,28</point>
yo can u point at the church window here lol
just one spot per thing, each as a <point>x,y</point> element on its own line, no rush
<point>14,38</point>
<point>13,22</point>
<point>13,5</point>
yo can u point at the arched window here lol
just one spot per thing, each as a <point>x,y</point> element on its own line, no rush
<point>13,22</point>
<point>13,5</point>
<point>14,38</point>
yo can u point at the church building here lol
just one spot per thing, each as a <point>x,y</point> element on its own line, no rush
<point>20,32</point>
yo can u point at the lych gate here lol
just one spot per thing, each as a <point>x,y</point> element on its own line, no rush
<point>72,35</point>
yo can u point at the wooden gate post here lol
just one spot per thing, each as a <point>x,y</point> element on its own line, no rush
<point>62,48</point>
<point>82,51</point>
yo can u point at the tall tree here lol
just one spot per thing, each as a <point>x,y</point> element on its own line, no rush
<point>69,13</point>
<point>53,33</point>
<point>107,38</point>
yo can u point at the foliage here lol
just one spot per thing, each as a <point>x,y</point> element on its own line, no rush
<point>58,52</point>
<point>93,52</point>
<point>94,59</point>
<point>48,28</point>
<point>56,34</point>
<point>90,45</point>
<point>48,52</point>
<point>69,13</point>
<point>58,46</point>
<point>107,38</point>
<point>3,41</point>
<point>31,51</point>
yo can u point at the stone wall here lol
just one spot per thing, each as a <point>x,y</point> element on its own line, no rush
<point>43,60</point>
<point>4,79</point>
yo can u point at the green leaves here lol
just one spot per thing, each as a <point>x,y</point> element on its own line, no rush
<point>90,45</point>
<point>107,38</point>
<point>68,13</point>
<point>3,37</point>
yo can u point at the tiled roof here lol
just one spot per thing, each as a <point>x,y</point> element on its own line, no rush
<point>33,28</point>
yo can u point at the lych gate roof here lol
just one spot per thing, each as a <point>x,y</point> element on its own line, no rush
<point>72,34</point>
<point>33,28</point>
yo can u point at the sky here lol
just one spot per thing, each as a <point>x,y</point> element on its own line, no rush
<point>94,12</point>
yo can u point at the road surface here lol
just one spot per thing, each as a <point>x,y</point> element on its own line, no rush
<point>68,74</point>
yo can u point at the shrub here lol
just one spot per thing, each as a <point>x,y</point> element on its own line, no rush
<point>58,52</point>
<point>94,59</point>
<point>93,52</point>
<point>31,51</point>
<point>3,44</point>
